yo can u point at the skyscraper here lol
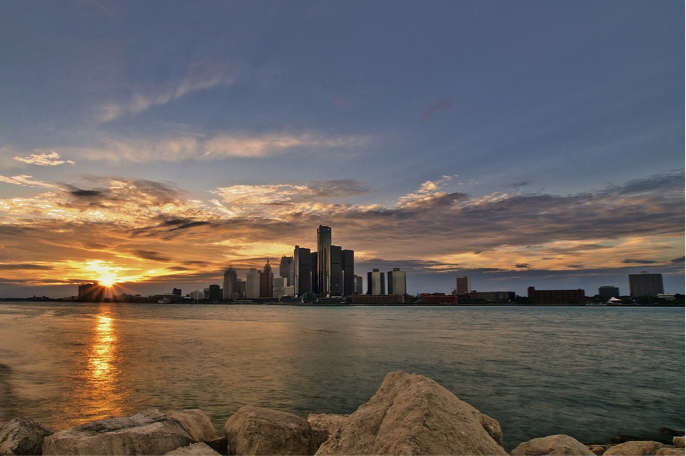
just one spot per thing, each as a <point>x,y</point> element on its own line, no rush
<point>324,259</point>
<point>266,281</point>
<point>230,283</point>
<point>314,261</point>
<point>359,289</point>
<point>302,260</point>
<point>287,270</point>
<point>376,282</point>
<point>463,285</point>
<point>336,281</point>
<point>645,284</point>
<point>348,264</point>
<point>252,284</point>
<point>608,291</point>
<point>397,282</point>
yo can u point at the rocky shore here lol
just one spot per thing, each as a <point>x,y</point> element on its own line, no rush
<point>408,415</point>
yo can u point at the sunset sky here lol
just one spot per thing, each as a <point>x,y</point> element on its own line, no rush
<point>525,143</point>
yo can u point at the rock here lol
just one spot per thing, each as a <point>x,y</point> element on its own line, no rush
<point>199,449</point>
<point>324,426</point>
<point>412,414</point>
<point>22,436</point>
<point>256,430</point>
<point>679,441</point>
<point>598,449</point>
<point>149,432</point>
<point>634,448</point>
<point>219,445</point>
<point>557,445</point>
<point>669,451</point>
<point>196,423</point>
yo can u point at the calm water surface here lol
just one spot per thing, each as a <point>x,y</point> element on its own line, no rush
<point>591,372</point>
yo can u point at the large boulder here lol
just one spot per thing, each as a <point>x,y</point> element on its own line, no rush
<point>256,430</point>
<point>22,436</point>
<point>635,448</point>
<point>195,449</point>
<point>557,445</point>
<point>149,432</point>
<point>678,441</point>
<point>324,426</point>
<point>412,414</point>
<point>670,451</point>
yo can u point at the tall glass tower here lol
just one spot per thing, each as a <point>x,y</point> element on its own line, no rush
<point>324,259</point>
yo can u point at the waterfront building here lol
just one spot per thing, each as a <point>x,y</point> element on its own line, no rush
<point>289,291</point>
<point>462,285</point>
<point>645,284</point>
<point>492,295</point>
<point>324,260</point>
<point>397,282</point>
<point>266,281</point>
<point>608,292</point>
<point>438,298</point>
<point>557,297</point>
<point>279,287</point>
<point>314,257</point>
<point>176,292</point>
<point>230,284</point>
<point>92,292</point>
<point>302,260</point>
<point>336,282</point>
<point>252,284</point>
<point>287,270</point>
<point>348,266</point>
<point>376,282</point>
<point>359,287</point>
<point>197,295</point>
<point>215,293</point>
<point>378,299</point>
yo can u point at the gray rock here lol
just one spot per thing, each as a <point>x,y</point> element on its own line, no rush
<point>557,445</point>
<point>412,414</point>
<point>22,436</point>
<point>678,441</point>
<point>256,430</point>
<point>635,448</point>
<point>149,432</point>
<point>324,426</point>
<point>199,449</point>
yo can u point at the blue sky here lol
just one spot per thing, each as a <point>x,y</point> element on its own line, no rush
<point>522,143</point>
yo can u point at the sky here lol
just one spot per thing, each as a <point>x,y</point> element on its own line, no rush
<point>524,143</point>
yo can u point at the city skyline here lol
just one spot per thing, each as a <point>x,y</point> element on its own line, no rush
<point>518,146</point>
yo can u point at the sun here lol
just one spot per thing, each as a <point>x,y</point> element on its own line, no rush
<point>104,273</point>
<point>107,280</point>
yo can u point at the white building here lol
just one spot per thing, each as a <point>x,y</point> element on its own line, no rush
<point>397,282</point>
<point>252,284</point>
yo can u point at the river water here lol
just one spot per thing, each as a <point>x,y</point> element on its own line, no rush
<point>590,372</point>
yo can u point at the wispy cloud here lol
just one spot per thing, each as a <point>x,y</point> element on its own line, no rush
<point>429,111</point>
<point>51,158</point>
<point>25,180</point>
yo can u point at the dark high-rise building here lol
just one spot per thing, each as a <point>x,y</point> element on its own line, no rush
<point>302,261</point>
<point>608,292</point>
<point>176,292</point>
<point>215,293</point>
<point>231,289</point>
<point>463,285</point>
<point>397,282</point>
<point>314,260</point>
<point>266,281</point>
<point>324,260</point>
<point>376,282</point>
<point>336,281</point>
<point>556,297</point>
<point>359,289</point>
<point>92,292</point>
<point>348,264</point>
<point>287,270</point>
<point>645,284</point>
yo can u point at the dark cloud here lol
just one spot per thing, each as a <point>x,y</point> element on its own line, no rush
<point>429,111</point>
<point>26,266</point>
<point>522,265</point>
<point>678,260</point>
<point>190,225</point>
<point>632,261</point>
<point>151,255</point>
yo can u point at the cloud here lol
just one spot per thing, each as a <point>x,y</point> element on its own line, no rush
<point>25,180</point>
<point>522,265</point>
<point>44,159</point>
<point>166,93</point>
<point>218,147</point>
<point>25,267</point>
<point>151,255</point>
<point>678,260</point>
<point>632,261</point>
<point>429,111</point>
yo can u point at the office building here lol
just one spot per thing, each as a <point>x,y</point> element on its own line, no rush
<point>287,270</point>
<point>92,292</point>
<point>462,285</point>
<point>252,284</point>
<point>177,292</point>
<point>324,260</point>
<point>557,297</point>
<point>215,293</point>
<point>348,266</point>
<point>231,289</point>
<point>608,292</point>
<point>266,281</point>
<point>359,286</point>
<point>302,260</point>
<point>336,281</point>
<point>314,260</point>
<point>397,282</point>
<point>376,282</point>
<point>645,284</point>
<point>197,295</point>
<point>279,287</point>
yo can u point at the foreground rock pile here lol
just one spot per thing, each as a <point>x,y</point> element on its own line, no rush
<point>409,415</point>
